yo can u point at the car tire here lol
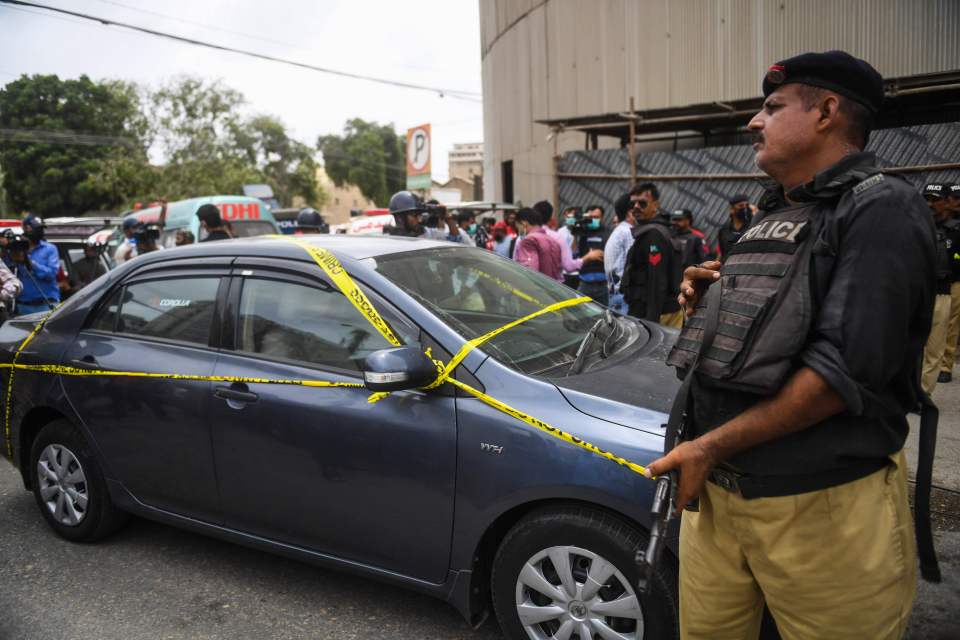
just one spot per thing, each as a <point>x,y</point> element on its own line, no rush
<point>69,487</point>
<point>588,541</point>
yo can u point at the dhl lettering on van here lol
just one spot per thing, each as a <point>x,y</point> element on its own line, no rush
<point>239,211</point>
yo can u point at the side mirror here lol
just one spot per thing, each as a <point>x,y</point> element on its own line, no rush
<point>398,369</point>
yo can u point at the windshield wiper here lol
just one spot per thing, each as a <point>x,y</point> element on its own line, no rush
<point>584,348</point>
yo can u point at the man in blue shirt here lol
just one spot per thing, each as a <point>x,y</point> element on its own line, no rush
<point>36,266</point>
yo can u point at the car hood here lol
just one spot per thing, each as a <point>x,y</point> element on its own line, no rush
<point>625,387</point>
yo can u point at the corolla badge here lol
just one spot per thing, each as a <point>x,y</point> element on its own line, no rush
<point>491,448</point>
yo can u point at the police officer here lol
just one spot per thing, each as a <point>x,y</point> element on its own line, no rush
<point>935,349</point>
<point>953,328</point>
<point>309,220</point>
<point>685,241</point>
<point>407,208</point>
<point>653,270</point>
<point>804,365</point>
<point>741,213</point>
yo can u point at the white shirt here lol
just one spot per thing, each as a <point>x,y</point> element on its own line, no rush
<point>615,253</point>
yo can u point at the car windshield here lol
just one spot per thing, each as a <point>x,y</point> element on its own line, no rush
<point>476,291</point>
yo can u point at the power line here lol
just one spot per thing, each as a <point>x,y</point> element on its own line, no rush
<point>211,27</point>
<point>46,136</point>
<point>453,93</point>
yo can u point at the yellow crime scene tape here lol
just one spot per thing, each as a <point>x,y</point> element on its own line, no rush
<point>332,267</point>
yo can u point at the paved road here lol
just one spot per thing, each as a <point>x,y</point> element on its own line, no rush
<point>154,582</point>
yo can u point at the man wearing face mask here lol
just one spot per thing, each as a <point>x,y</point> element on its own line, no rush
<point>591,240</point>
<point>536,249</point>
<point>652,273</point>
<point>569,263</point>
<point>741,213</point>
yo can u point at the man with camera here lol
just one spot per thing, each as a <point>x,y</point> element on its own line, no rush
<point>569,264</point>
<point>36,263</point>
<point>591,240</point>
<point>10,286</point>
<point>409,211</point>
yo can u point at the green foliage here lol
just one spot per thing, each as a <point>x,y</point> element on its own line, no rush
<point>369,155</point>
<point>208,145</point>
<point>50,178</point>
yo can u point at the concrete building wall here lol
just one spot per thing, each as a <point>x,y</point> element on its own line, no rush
<point>465,161</point>
<point>340,200</point>
<point>547,59</point>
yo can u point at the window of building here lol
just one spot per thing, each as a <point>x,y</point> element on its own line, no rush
<point>506,177</point>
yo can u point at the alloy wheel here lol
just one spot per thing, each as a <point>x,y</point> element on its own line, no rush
<point>63,485</point>
<point>567,593</point>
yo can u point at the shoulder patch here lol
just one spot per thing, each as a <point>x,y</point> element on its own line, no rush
<point>872,181</point>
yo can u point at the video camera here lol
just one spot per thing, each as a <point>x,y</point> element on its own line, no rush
<point>16,242</point>
<point>143,233</point>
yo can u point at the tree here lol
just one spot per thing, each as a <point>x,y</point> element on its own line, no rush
<point>44,175</point>
<point>369,155</point>
<point>211,148</point>
<point>286,165</point>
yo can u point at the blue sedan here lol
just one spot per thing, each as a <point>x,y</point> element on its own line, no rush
<point>433,489</point>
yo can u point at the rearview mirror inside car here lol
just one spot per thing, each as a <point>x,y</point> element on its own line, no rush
<point>398,368</point>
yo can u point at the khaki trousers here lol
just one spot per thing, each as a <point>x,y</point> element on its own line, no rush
<point>936,343</point>
<point>674,319</point>
<point>834,564</point>
<point>953,330</point>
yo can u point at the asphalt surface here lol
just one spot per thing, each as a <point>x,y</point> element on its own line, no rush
<point>151,581</point>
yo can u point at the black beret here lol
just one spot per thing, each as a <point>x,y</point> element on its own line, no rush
<point>836,71</point>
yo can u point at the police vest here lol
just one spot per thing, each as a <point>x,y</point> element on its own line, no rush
<point>765,306</point>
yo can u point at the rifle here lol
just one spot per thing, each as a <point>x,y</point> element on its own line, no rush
<point>664,497</point>
<point>665,493</point>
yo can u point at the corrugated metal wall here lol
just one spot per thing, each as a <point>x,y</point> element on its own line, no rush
<point>902,147</point>
<point>548,59</point>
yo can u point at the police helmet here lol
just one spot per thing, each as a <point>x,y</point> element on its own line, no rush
<point>33,227</point>
<point>405,202</point>
<point>310,218</point>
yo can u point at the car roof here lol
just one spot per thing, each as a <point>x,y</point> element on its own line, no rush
<point>344,247</point>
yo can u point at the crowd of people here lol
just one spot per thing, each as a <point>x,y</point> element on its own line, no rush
<point>636,266</point>
<point>633,266</point>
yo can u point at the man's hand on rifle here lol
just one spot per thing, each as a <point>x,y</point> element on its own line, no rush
<point>693,462</point>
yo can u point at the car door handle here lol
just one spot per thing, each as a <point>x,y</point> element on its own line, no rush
<point>86,362</point>
<point>237,392</point>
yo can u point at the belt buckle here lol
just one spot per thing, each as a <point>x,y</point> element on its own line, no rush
<point>725,480</point>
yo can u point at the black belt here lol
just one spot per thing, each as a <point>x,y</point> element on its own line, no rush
<point>752,486</point>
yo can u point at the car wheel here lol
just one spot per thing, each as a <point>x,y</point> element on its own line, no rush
<point>570,574</point>
<point>69,486</point>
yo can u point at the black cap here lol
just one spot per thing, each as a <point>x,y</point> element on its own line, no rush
<point>954,191</point>
<point>739,197</point>
<point>836,71</point>
<point>935,190</point>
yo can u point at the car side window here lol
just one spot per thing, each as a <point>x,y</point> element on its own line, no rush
<point>176,309</point>
<point>106,318</point>
<point>313,324</point>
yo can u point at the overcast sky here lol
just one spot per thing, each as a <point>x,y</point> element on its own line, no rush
<point>428,42</point>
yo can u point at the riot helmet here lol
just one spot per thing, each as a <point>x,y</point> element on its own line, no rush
<point>309,219</point>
